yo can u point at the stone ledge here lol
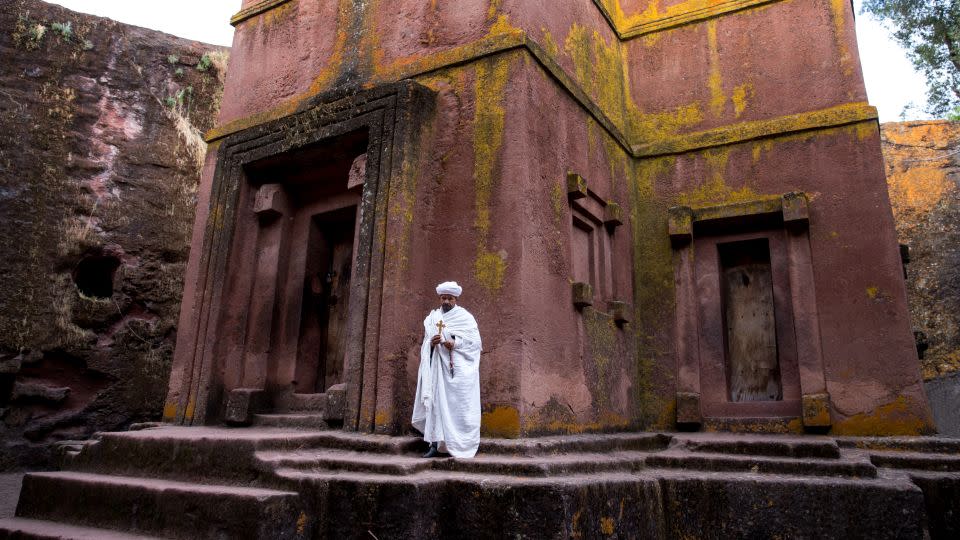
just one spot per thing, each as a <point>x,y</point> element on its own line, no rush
<point>254,10</point>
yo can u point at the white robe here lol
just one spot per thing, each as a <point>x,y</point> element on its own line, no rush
<point>447,407</point>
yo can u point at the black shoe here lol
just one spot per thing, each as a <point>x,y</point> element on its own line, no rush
<point>433,451</point>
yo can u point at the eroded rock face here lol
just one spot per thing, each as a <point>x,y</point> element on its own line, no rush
<point>100,151</point>
<point>923,168</point>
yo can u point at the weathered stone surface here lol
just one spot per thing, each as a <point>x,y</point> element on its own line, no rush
<point>923,169</point>
<point>25,391</point>
<point>510,130</point>
<point>99,164</point>
<point>944,396</point>
<point>333,484</point>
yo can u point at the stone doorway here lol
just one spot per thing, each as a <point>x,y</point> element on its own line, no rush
<point>307,206</point>
<point>263,330</point>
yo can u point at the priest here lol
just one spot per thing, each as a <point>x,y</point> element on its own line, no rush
<point>447,405</point>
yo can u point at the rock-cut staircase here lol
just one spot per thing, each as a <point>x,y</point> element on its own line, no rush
<point>276,482</point>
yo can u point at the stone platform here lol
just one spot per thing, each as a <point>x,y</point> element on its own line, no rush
<point>273,482</point>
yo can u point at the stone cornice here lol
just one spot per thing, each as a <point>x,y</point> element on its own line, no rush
<point>841,115</point>
<point>631,27</point>
<point>256,9</point>
<point>679,15</point>
<point>517,40</point>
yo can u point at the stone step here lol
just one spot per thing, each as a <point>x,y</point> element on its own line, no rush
<point>314,403</point>
<point>748,505</point>
<point>592,443</point>
<point>334,460</point>
<point>938,445</point>
<point>487,464</point>
<point>35,529</point>
<point>217,454</point>
<point>549,465</point>
<point>291,420</point>
<point>160,507</point>
<point>762,464</point>
<point>771,445</point>
<point>916,460</point>
<point>658,503</point>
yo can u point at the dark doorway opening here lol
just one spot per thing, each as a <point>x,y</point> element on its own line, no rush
<point>326,295</point>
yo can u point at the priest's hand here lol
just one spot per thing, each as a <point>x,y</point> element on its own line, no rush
<point>436,340</point>
<point>448,345</point>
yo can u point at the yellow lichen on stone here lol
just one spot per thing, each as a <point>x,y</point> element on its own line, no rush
<point>599,70</point>
<point>606,525</point>
<point>558,199</point>
<point>838,12</point>
<point>301,523</point>
<point>550,45</point>
<point>489,118</point>
<point>718,99</point>
<point>493,9</point>
<point>490,269</point>
<point>170,411</point>
<point>501,422</point>
<point>898,417</point>
<point>872,292</point>
<point>277,15</point>
<point>740,98</point>
<point>918,190</point>
<point>715,191</point>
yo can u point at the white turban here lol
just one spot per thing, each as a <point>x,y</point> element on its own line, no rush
<point>449,287</point>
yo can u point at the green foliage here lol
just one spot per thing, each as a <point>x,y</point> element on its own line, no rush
<point>87,45</point>
<point>178,72</point>
<point>930,31</point>
<point>64,29</point>
<point>173,59</point>
<point>35,34</point>
<point>28,34</point>
<point>181,101</point>
<point>204,63</point>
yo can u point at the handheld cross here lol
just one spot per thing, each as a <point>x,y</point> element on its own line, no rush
<point>440,327</point>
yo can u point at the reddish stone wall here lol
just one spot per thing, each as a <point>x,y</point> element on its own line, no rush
<point>99,165</point>
<point>655,106</point>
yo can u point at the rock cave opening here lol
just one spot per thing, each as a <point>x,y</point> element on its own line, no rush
<point>94,275</point>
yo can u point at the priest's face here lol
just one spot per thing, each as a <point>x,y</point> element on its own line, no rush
<point>447,301</point>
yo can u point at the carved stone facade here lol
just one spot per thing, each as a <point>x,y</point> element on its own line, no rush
<point>545,166</point>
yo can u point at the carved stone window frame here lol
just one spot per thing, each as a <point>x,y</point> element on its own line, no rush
<point>792,209</point>
<point>588,210</point>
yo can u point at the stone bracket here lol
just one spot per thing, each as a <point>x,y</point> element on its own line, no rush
<point>612,215</point>
<point>336,400</point>
<point>271,202</point>
<point>620,311</point>
<point>582,295</point>
<point>688,408</point>
<point>816,410</point>
<point>576,186</point>
<point>242,404</point>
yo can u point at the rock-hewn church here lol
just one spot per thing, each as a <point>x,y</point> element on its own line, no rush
<point>669,218</point>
